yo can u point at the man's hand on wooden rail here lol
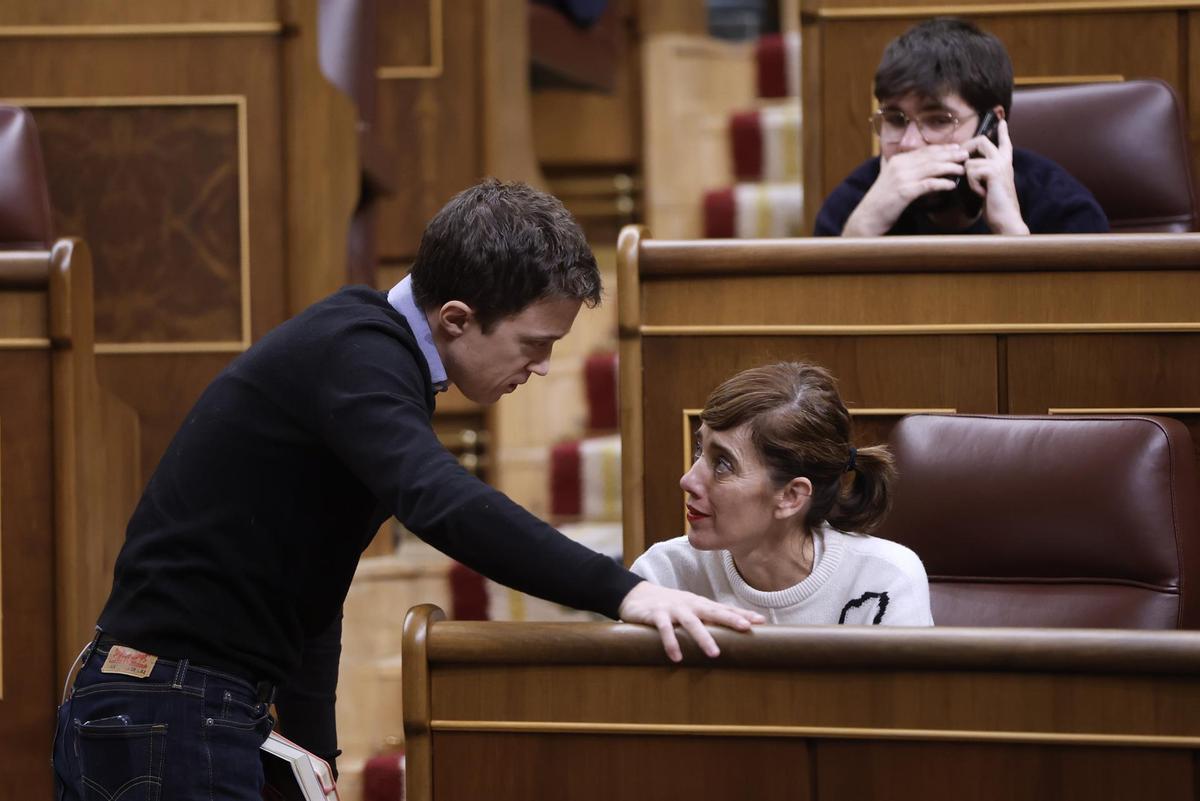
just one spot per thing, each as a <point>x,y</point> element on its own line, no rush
<point>665,609</point>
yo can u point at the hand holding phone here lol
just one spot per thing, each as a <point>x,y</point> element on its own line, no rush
<point>965,195</point>
<point>962,196</point>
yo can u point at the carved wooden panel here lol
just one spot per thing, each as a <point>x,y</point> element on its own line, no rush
<point>875,373</point>
<point>27,669</point>
<point>156,192</point>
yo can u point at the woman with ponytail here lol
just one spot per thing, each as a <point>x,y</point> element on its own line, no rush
<point>780,505</point>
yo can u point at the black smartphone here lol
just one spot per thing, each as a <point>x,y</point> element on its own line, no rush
<point>965,195</point>
<point>962,195</point>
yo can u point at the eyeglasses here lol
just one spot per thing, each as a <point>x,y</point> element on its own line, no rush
<point>935,127</point>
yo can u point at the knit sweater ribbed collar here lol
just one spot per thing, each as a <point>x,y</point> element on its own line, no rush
<point>833,548</point>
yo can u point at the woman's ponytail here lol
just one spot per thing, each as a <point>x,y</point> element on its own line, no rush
<point>865,495</point>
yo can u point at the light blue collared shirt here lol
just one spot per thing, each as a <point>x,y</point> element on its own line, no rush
<point>401,298</point>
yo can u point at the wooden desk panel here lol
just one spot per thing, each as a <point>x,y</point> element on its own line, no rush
<point>581,710</point>
<point>876,771</point>
<point>585,767</point>
<point>908,373</point>
<point>969,324</point>
<point>27,654</point>
<point>1143,374</point>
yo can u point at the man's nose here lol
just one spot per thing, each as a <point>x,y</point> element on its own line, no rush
<point>541,368</point>
<point>912,138</point>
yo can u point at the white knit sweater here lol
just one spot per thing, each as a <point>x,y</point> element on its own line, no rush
<point>855,579</point>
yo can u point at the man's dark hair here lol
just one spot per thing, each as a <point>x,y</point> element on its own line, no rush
<point>499,247</point>
<point>944,55</point>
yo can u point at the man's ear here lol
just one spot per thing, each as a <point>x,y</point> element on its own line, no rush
<point>454,317</point>
<point>999,111</point>
<point>793,498</point>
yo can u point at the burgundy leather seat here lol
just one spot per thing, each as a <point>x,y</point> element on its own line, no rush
<point>24,200</point>
<point>1051,521</point>
<point>1125,141</point>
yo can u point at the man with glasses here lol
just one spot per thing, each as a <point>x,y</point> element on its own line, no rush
<point>935,84</point>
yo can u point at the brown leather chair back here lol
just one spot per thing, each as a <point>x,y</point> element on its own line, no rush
<point>1051,521</point>
<point>24,198</point>
<point>1125,141</point>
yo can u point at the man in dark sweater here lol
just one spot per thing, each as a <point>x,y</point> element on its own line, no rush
<point>239,556</point>
<point>936,85</point>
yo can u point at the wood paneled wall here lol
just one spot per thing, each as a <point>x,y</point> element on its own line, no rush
<point>583,711</point>
<point>213,170</point>
<point>1041,325</point>
<point>204,157</point>
<point>1058,42</point>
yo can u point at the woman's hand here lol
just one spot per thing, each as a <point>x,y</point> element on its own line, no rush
<point>665,608</point>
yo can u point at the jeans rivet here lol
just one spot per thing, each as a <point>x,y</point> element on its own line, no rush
<point>209,721</point>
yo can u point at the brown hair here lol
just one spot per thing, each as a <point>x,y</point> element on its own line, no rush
<point>801,428</point>
<point>943,55</point>
<point>498,247</point>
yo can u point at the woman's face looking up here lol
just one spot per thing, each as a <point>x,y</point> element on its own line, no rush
<point>732,501</point>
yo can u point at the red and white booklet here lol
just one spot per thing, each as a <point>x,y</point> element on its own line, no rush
<point>294,773</point>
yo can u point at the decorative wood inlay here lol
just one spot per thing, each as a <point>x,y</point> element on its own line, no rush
<point>25,343</point>
<point>1059,80</point>
<point>137,31</point>
<point>1001,9</point>
<point>1127,410</point>
<point>896,412</point>
<point>908,330</point>
<point>127,349</point>
<point>841,733</point>
<point>169,289</point>
<point>436,59</point>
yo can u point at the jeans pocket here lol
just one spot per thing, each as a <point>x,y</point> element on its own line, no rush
<point>119,760</point>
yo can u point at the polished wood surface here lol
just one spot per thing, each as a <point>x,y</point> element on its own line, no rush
<point>909,254</point>
<point>97,475</point>
<point>87,16</point>
<point>323,169</point>
<point>905,372</point>
<point>27,653</point>
<point>212,166</point>
<point>68,481</point>
<point>993,325</point>
<point>837,709</point>
<point>843,41</point>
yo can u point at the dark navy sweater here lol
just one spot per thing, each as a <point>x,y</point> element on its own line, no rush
<point>241,551</point>
<point>1052,202</point>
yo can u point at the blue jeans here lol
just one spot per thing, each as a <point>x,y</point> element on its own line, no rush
<point>182,733</point>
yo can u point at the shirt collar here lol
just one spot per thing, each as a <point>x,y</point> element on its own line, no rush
<point>401,298</point>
